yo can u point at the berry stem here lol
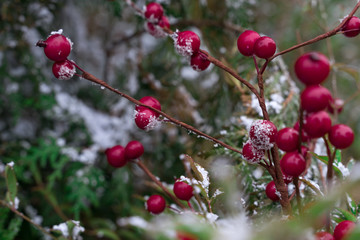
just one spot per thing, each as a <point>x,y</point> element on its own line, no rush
<point>92,78</point>
<point>154,179</point>
<point>256,65</point>
<point>190,206</point>
<point>298,197</point>
<point>301,119</point>
<point>330,171</point>
<point>41,43</point>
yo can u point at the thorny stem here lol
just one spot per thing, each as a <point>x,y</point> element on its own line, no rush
<point>14,210</point>
<point>153,178</point>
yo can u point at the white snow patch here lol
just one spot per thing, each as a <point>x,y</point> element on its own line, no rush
<point>11,164</point>
<point>133,221</point>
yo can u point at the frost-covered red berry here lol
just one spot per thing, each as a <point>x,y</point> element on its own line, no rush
<point>293,164</point>
<point>343,229</point>
<point>183,191</point>
<point>116,156</point>
<point>156,204</point>
<point>265,47</point>
<point>324,236</point>
<point>262,134</point>
<point>57,47</point>
<point>150,101</point>
<point>246,42</point>
<point>153,12</point>
<point>63,70</point>
<point>199,61</point>
<point>341,136</point>
<point>352,27</point>
<point>315,98</point>
<point>336,105</point>
<point>252,155</point>
<point>271,191</point>
<point>317,124</point>
<point>287,139</point>
<point>287,178</point>
<point>134,150</point>
<point>187,43</point>
<point>312,68</point>
<point>156,30</point>
<point>146,119</point>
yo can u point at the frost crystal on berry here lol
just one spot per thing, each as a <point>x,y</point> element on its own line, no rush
<point>251,154</point>
<point>263,134</point>
<point>63,70</point>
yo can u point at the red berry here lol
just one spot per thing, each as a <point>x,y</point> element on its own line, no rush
<point>341,136</point>
<point>246,42</point>
<point>293,164</point>
<point>336,105</point>
<point>287,178</point>
<point>251,154</point>
<point>146,119</point>
<point>265,47</point>
<point>343,229</point>
<point>183,190</point>
<point>157,30</point>
<point>352,27</point>
<point>317,124</point>
<point>134,150</point>
<point>63,70</point>
<point>324,236</point>
<point>199,61</point>
<point>304,136</point>
<point>116,156</point>
<point>153,12</point>
<point>263,134</point>
<point>271,191</point>
<point>57,47</point>
<point>187,43</point>
<point>155,204</point>
<point>287,139</point>
<point>185,236</point>
<point>304,151</point>
<point>312,68</point>
<point>315,98</point>
<point>150,101</point>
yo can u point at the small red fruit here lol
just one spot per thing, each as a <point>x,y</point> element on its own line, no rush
<point>315,98</point>
<point>343,229</point>
<point>154,12</point>
<point>293,164</point>
<point>336,105</point>
<point>246,42</point>
<point>134,150</point>
<point>199,61</point>
<point>116,156</point>
<point>304,136</point>
<point>156,204</point>
<point>146,119</point>
<point>187,43</point>
<point>271,191</point>
<point>341,136</point>
<point>63,70</point>
<point>252,155</point>
<point>263,134</point>
<point>312,68</point>
<point>150,101</point>
<point>324,236</point>
<point>183,190</point>
<point>157,30</point>
<point>287,178</point>
<point>304,151</point>
<point>56,47</point>
<point>287,139</point>
<point>352,27</point>
<point>264,47</point>
<point>317,124</point>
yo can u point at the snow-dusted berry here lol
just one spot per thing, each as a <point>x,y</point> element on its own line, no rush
<point>263,134</point>
<point>336,105</point>
<point>56,47</point>
<point>146,119</point>
<point>134,150</point>
<point>187,43</point>
<point>271,191</point>
<point>199,61</point>
<point>156,204</point>
<point>116,156</point>
<point>156,30</point>
<point>252,155</point>
<point>63,70</point>
<point>183,191</point>
<point>150,101</point>
<point>153,12</point>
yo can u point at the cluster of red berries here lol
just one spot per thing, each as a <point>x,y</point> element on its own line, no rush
<point>156,20</point>
<point>146,118</point>
<point>251,43</point>
<point>117,156</point>
<point>156,204</point>
<point>341,231</point>
<point>57,48</point>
